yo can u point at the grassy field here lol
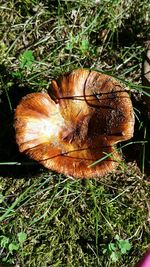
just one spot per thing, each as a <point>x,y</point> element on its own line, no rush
<point>47,219</point>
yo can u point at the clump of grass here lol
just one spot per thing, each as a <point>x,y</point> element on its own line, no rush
<point>48,219</point>
<point>70,222</point>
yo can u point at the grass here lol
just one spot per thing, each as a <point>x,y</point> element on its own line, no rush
<point>70,222</point>
<point>47,219</point>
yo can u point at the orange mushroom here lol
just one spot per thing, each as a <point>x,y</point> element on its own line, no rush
<point>86,116</point>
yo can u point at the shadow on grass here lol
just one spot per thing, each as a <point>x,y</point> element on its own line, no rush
<point>140,152</point>
<point>9,153</point>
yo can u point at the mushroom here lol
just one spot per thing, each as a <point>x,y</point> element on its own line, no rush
<point>146,77</point>
<point>87,114</point>
<point>145,261</point>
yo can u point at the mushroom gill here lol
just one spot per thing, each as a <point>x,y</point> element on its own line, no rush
<point>87,114</point>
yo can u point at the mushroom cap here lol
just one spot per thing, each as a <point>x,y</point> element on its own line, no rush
<point>87,115</point>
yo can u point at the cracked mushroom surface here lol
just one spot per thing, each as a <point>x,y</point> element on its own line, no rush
<point>86,116</point>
